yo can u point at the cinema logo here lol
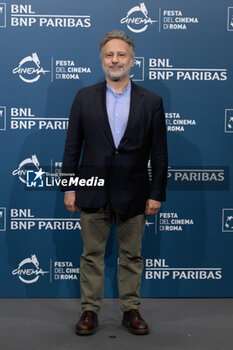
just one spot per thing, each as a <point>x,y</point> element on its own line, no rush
<point>198,178</point>
<point>25,119</point>
<point>30,173</point>
<point>65,270</point>
<point>162,69</point>
<point>29,271</point>
<point>173,222</point>
<point>228,125</point>
<point>158,269</point>
<point>175,122</point>
<point>230,19</point>
<point>227,220</point>
<point>25,220</point>
<point>137,19</point>
<point>2,15</point>
<point>175,20</point>
<point>29,69</point>
<point>25,16</point>
<point>68,70</point>
<point>137,72</point>
<point>22,169</point>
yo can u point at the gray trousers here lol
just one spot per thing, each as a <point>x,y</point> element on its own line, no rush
<point>95,230</point>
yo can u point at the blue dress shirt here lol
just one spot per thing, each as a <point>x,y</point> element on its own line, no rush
<point>118,111</point>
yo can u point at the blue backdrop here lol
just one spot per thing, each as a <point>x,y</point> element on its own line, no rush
<point>49,50</point>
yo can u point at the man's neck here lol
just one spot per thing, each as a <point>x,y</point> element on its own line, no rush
<point>118,86</point>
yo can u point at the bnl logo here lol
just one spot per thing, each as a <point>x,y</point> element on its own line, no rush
<point>137,72</point>
<point>230,18</point>
<point>227,220</point>
<point>2,219</point>
<point>2,118</point>
<point>35,178</point>
<point>2,15</point>
<point>228,120</point>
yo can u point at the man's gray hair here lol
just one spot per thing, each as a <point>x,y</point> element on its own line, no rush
<point>117,34</point>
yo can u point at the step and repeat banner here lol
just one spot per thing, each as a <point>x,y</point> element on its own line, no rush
<point>48,51</point>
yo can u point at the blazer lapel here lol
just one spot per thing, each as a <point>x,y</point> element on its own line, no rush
<point>136,104</point>
<point>100,100</point>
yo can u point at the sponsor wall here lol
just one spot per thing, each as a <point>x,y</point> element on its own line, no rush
<point>49,50</point>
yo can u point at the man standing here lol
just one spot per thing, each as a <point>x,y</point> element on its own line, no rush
<point>116,125</point>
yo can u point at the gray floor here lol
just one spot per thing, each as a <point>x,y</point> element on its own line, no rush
<point>199,324</point>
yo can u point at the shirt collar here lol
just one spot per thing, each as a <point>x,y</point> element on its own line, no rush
<point>113,91</point>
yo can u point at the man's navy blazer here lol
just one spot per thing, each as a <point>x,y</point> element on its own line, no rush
<point>125,168</point>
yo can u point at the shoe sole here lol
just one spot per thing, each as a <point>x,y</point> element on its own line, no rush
<point>87,332</point>
<point>136,331</point>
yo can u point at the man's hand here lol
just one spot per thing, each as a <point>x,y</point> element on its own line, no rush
<point>70,202</point>
<point>152,207</point>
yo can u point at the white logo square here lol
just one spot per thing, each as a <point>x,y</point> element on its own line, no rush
<point>137,72</point>
<point>2,15</point>
<point>230,18</point>
<point>227,220</point>
<point>2,219</point>
<point>228,128</point>
<point>2,118</point>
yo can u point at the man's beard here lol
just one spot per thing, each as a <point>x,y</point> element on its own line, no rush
<point>117,76</point>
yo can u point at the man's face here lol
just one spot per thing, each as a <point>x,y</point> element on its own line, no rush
<point>116,59</point>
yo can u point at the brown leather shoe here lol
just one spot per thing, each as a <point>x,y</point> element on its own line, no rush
<point>134,322</point>
<point>87,324</point>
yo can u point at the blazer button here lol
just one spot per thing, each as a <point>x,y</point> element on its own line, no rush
<point>116,152</point>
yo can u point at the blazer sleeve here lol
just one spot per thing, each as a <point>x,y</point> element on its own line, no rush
<point>73,144</point>
<point>159,158</point>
